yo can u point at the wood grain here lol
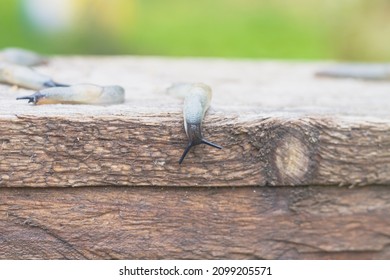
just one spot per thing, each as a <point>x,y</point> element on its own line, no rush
<point>143,150</point>
<point>195,223</point>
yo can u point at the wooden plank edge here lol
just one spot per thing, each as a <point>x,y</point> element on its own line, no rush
<point>143,150</point>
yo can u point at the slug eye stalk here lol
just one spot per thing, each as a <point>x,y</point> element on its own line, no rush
<point>31,99</point>
<point>54,84</point>
<point>191,144</point>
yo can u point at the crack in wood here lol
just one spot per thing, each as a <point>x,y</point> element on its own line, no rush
<point>31,223</point>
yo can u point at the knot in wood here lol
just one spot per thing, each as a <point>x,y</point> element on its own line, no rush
<point>288,150</point>
<point>292,159</point>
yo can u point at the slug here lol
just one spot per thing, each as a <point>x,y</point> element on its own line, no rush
<point>78,94</point>
<point>25,77</point>
<point>375,72</point>
<point>196,103</point>
<point>179,89</point>
<point>21,57</point>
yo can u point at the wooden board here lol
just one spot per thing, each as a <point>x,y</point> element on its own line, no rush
<point>195,223</point>
<point>279,126</point>
<point>277,122</point>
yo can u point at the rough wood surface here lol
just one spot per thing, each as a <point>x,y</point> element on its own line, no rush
<point>195,223</point>
<point>277,122</point>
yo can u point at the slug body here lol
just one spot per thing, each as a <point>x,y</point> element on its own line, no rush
<point>21,57</point>
<point>196,103</point>
<point>78,94</point>
<point>179,90</point>
<point>374,72</point>
<point>25,77</point>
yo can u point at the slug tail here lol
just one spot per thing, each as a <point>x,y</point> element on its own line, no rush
<point>204,141</point>
<point>190,145</point>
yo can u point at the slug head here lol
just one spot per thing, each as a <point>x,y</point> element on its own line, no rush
<point>195,137</point>
<point>34,98</point>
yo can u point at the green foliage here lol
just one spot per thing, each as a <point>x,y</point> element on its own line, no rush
<point>281,29</point>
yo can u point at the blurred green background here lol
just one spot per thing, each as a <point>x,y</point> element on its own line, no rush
<point>357,30</point>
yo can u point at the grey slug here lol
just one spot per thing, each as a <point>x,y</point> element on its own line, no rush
<point>78,94</point>
<point>375,72</point>
<point>21,57</point>
<point>196,102</point>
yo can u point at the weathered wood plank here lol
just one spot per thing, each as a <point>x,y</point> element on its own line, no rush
<point>195,223</point>
<point>67,151</point>
<point>277,122</point>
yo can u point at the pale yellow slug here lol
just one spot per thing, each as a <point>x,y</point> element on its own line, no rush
<point>24,76</point>
<point>78,94</point>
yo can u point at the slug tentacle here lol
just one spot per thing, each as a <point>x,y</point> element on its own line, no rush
<point>54,84</point>
<point>204,141</point>
<point>196,103</point>
<point>187,149</point>
<point>31,98</point>
<point>195,138</point>
<point>78,94</point>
